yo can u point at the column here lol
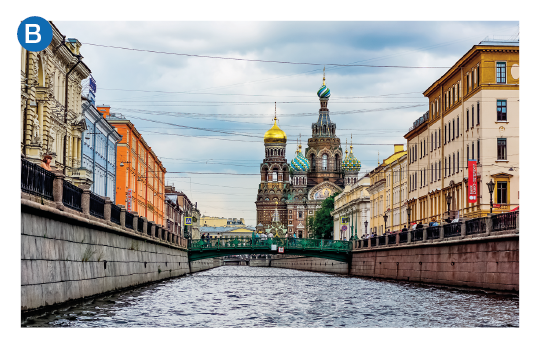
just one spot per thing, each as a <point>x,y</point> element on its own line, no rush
<point>40,118</point>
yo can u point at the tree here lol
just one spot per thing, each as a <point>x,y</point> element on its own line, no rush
<point>323,223</point>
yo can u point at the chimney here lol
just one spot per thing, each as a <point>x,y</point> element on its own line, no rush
<point>74,46</point>
<point>398,147</point>
<point>104,109</point>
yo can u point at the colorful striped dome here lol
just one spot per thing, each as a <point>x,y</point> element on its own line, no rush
<point>300,163</point>
<point>323,92</point>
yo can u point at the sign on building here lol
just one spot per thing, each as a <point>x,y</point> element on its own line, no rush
<point>92,85</point>
<point>188,220</point>
<point>473,189</point>
<point>129,200</point>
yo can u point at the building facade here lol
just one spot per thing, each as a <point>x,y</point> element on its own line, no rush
<point>188,209</point>
<point>298,190</point>
<point>98,153</point>
<point>388,193</point>
<point>173,216</point>
<point>140,174</point>
<point>210,221</point>
<point>51,119</point>
<point>473,115</point>
<point>352,209</point>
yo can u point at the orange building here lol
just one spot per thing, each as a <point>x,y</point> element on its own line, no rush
<point>138,169</point>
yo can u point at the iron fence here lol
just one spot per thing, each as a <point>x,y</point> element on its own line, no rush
<point>475,226</point>
<point>382,240</point>
<point>364,243</point>
<point>72,196</point>
<point>289,243</point>
<point>149,228</point>
<point>129,220</point>
<point>403,237</point>
<point>504,221</point>
<point>417,235</point>
<point>452,230</point>
<point>373,241</point>
<point>115,214</point>
<point>140,223</point>
<point>36,180</point>
<point>391,239</point>
<point>433,232</point>
<point>97,206</point>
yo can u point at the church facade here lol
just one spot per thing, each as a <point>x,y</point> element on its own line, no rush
<point>298,189</point>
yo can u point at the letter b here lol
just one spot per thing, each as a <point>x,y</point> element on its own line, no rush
<point>33,33</point>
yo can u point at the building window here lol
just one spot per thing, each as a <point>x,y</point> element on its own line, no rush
<point>439,137</point>
<point>467,119</point>
<point>501,72</point>
<point>478,150</point>
<point>453,129</point>
<point>468,156</point>
<point>478,76</point>
<point>274,176</point>
<point>444,134</point>
<point>467,83</point>
<point>457,136</point>
<point>501,149</point>
<point>445,167</point>
<point>502,192</point>
<point>324,162</point>
<point>440,163</point>
<point>472,152</point>
<point>501,110</point>
<point>477,113</point>
<point>453,163</point>
<point>458,162</point>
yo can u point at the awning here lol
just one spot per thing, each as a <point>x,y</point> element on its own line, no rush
<point>515,209</point>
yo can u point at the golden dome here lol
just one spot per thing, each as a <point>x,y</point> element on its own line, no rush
<point>275,134</point>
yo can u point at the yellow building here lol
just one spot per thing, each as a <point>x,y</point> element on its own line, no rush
<point>51,119</point>
<point>352,210</point>
<point>473,114</point>
<point>388,192</point>
<point>210,221</point>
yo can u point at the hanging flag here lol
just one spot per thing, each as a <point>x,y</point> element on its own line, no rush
<point>473,189</point>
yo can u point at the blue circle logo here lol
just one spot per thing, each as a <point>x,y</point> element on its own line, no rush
<point>35,34</point>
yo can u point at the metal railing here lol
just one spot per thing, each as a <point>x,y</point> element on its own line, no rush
<point>140,223</point>
<point>149,228</point>
<point>504,221</point>
<point>382,240</point>
<point>97,206</point>
<point>373,241</point>
<point>129,220</point>
<point>72,196</point>
<point>452,230</point>
<point>417,235</point>
<point>364,243</point>
<point>403,237</point>
<point>391,239</point>
<point>475,226</point>
<point>36,180</point>
<point>115,214</point>
<point>433,232</point>
<point>289,243</point>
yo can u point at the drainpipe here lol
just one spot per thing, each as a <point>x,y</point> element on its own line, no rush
<point>94,154</point>
<point>66,110</point>
<point>85,108</point>
<point>107,161</point>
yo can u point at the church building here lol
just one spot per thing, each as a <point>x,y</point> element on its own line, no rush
<point>300,188</point>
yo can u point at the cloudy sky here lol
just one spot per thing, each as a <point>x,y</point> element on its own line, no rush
<point>231,102</point>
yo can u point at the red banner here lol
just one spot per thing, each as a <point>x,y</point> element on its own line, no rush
<point>473,189</point>
<point>128,200</point>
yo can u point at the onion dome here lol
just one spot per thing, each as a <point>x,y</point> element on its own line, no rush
<point>324,91</point>
<point>350,163</point>
<point>275,134</point>
<point>300,163</point>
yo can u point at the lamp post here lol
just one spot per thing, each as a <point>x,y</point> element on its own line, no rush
<point>365,224</point>
<point>385,217</point>
<point>409,210</point>
<point>448,201</point>
<point>491,186</point>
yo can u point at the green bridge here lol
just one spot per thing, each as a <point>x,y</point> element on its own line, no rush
<point>337,250</point>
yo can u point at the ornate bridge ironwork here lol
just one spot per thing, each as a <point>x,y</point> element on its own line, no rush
<point>338,250</point>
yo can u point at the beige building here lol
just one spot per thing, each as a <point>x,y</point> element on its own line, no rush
<point>473,114</point>
<point>352,210</point>
<point>210,221</point>
<point>51,117</point>
<point>388,192</point>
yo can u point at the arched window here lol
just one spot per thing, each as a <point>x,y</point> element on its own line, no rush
<point>325,162</point>
<point>274,176</point>
<point>313,161</point>
<point>337,163</point>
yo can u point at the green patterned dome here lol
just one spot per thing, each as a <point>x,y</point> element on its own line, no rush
<point>351,163</point>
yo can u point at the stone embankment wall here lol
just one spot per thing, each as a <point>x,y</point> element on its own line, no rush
<point>259,262</point>
<point>67,257</point>
<point>203,265</point>
<point>310,264</point>
<point>487,263</point>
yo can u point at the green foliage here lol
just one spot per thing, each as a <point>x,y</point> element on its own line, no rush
<point>88,253</point>
<point>322,226</point>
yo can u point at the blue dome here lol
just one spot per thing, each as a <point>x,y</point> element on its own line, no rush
<point>300,163</point>
<point>323,92</point>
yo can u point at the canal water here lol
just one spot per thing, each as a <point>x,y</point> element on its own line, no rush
<point>241,296</point>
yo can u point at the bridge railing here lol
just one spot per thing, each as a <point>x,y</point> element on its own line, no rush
<point>288,243</point>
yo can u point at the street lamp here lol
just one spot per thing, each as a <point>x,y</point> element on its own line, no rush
<point>122,163</point>
<point>365,224</point>
<point>409,210</point>
<point>491,186</point>
<point>448,201</point>
<point>385,217</point>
